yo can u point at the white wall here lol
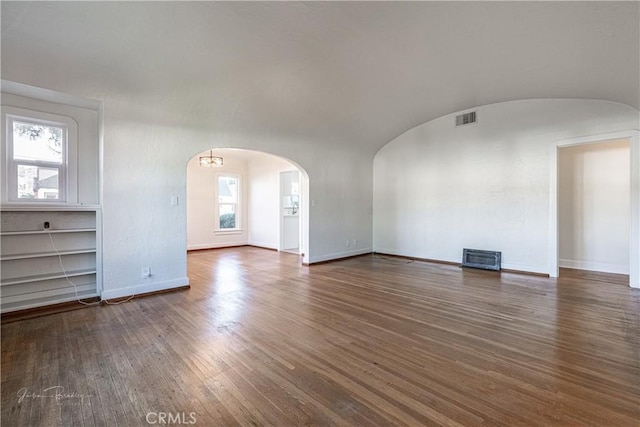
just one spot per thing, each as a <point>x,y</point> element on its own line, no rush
<point>439,189</point>
<point>201,207</point>
<point>594,206</point>
<point>144,167</point>
<point>264,199</point>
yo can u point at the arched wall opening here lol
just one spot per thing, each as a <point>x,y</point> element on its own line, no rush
<point>253,198</point>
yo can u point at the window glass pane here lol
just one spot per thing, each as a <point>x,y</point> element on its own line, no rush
<point>227,189</point>
<point>227,216</point>
<point>36,182</point>
<point>33,141</point>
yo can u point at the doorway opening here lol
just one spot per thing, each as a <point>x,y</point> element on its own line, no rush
<point>595,205</point>
<point>290,211</point>
<point>246,201</point>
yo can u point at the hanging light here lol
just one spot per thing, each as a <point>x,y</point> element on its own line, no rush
<point>210,161</point>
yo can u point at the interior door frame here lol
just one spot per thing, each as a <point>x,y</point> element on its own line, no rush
<point>281,211</point>
<point>633,135</point>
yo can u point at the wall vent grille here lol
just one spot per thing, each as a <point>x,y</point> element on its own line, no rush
<point>487,260</point>
<point>466,119</point>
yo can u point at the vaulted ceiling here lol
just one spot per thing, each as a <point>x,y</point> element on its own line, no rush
<point>354,73</point>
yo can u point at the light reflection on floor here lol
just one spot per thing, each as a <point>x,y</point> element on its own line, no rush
<point>227,302</point>
<point>227,283</point>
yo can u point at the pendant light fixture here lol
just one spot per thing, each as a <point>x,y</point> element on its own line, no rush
<point>210,161</point>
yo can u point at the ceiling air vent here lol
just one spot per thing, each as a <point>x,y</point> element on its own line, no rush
<point>466,119</point>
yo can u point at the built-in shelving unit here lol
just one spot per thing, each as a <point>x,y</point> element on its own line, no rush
<point>48,266</point>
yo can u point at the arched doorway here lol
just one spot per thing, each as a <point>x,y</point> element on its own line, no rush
<point>246,198</point>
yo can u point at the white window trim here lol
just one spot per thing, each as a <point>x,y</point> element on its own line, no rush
<point>68,179</point>
<point>226,231</point>
<point>238,228</point>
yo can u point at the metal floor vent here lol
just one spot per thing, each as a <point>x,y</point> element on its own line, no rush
<point>487,260</point>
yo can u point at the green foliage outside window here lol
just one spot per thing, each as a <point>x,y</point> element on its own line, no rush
<point>228,220</point>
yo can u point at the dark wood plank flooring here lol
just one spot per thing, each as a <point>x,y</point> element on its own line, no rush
<point>373,340</point>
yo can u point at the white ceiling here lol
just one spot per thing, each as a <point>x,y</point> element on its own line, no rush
<point>324,72</point>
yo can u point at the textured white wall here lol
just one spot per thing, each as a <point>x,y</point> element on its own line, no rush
<point>594,206</point>
<point>439,189</point>
<point>201,207</point>
<point>144,166</point>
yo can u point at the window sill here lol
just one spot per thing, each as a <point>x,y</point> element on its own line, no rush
<point>224,232</point>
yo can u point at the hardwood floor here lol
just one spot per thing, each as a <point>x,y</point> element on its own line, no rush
<point>262,340</point>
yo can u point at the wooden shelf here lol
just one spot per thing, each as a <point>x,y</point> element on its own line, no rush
<point>43,277</point>
<point>47,207</point>
<point>27,232</point>
<point>32,274</point>
<point>47,254</point>
<point>53,293</point>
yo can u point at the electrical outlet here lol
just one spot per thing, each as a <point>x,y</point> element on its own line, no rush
<point>347,244</point>
<point>146,272</point>
<point>354,242</point>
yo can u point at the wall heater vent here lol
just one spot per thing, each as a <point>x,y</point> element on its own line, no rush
<point>487,260</point>
<point>466,119</point>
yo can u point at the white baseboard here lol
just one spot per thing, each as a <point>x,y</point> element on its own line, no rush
<point>216,245</point>
<point>387,251</point>
<point>144,288</point>
<point>525,268</point>
<point>263,245</point>
<point>338,255</point>
<point>594,266</point>
<point>506,266</point>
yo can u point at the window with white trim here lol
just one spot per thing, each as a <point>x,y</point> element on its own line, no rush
<point>228,191</point>
<point>37,157</point>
